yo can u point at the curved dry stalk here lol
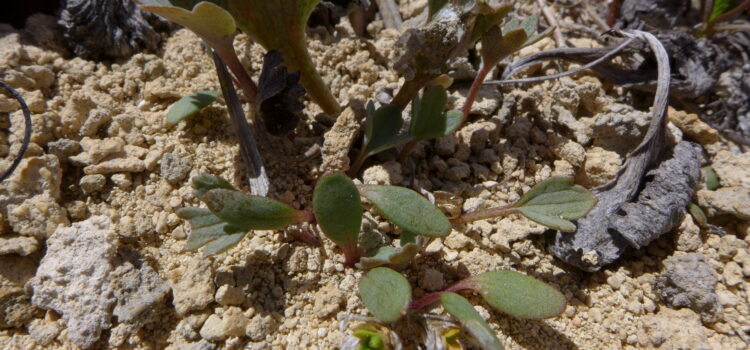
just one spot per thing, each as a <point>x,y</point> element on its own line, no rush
<point>26,133</point>
<point>551,17</point>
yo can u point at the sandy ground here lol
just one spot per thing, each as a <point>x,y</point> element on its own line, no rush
<point>101,147</point>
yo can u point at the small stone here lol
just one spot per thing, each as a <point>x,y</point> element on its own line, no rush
<point>122,181</point>
<point>689,281</point>
<point>76,209</point>
<point>152,159</point>
<point>688,235</point>
<point>92,183</point>
<point>96,119</point>
<point>64,148</point>
<point>123,165</point>
<point>339,139</point>
<point>459,172</point>
<point>328,300</point>
<point>174,168</point>
<point>38,217</point>
<point>733,201</point>
<point>692,126</point>
<point>19,245</point>
<point>192,286</point>
<point>43,332</point>
<point>260,327</point>
<point>445,146</point>
<point>571,152</point>
<point>732,274</point>
<point>229,295</point>
<point>733,169</point>
<point>43,76</point>
<point>599,167</point>
<point>231,324</point>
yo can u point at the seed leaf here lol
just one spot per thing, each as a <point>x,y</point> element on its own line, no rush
<point>388,255</point>
<point>428,119</point>
<point>712,179</point>
<point>190,105</point>
<point>385,293</point>
<point>382,128</point>
<point>720,6</point>
<point>461,309</point>
<point>698,215</point>
<point>338,211</point>
<point>207,228</point>
<point>204,183</point>
<point>246,212</point>
<point>518,295</point>
<point>407,209</point>
<point>555,201</point>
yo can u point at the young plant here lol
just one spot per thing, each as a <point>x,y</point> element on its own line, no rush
<point>277,25</point>
<point>387,295</point>
<point>429,120</point>
<point>721,11</point>
<point>190,105</point>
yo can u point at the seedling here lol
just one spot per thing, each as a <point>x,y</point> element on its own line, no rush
<point>190,105</point>
<point>387,295</point>
<point>277,25</point>
<point>428,121</point>
<point>721,11</point>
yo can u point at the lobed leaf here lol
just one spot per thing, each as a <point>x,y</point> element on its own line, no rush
<point>461,309</point>
<point>555,201</point>
<point>190,105</point>
<point>382,128</point>
<point>247,212</point>
<point>208,229</point>
<point>407,209</point>
<point>518,295</point>
<point>338,209</point>
<point>208,20</point>
<point>385,293</point>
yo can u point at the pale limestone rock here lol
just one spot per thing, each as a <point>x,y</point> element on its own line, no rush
<point>693,127</point>
<point>73,278</point>
<point>510,229</point>
<point>43,76</point>
<point>120,165</point>
<point>37,217</point>
<point>259,327</point>
<point>688,235</point>
<point>97,118</point>
<point>689,281</point>
<point>34,176</point>
<point>92,183</point>
<point>174,168</point>
<point>192,286</point>
<point>599,167</point>
<point>733,170</point>
<point>15,308</point>
<point>571,152</point>
<point>230,295</point>
<point>734,201</point>
<point>732,274</point>
<point>388,173</point>
<point>43,331</point>
<point>339,140</point>
<point>152,159</point>
<point>677,329</point>
<point>96,150</point>
<point>328,300</point>
<point>19,245</point>
<point>231,323</point>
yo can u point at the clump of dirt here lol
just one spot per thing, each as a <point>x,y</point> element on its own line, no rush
<point>101,148</point>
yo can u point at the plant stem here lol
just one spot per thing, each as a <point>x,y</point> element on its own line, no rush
<point>409,89</point>
<point>297,58</point>
<point>406,150</point>
<point>354,169</point>
<point>428,299</point>
<point>229,57</point>
<point>474,90</point>
<point>708,26</point>
<point>485,214</point>
<point>352,255</point>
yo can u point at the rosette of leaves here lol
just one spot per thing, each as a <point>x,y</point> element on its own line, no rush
<point>387,295</point>
<point>277,25</point>
<point>429,120</point>
<point>231,214</point>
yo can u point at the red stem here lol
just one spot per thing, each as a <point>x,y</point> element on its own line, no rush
<point>428,299</point>
<point>484,214</point>
<point>474,90</point>
<point>247,84</point>
<point>352,255</point>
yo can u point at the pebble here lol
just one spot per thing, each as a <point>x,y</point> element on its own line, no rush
<point>174,168</point>
<point>229,295</point>
<point>123,165</point>
<point>92,183</point>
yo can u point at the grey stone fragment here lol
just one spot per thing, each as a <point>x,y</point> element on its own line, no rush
<point>136,286</point>
<point>109,28</point>
<point>689,281</point>
<point>73,278</point>
<point>96,119</point>
<point>174,168</point>
<point>64,148</point>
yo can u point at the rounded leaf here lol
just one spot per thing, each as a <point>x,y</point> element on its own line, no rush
<point>338,209</point>
<point>408,209</point>
<point>190,105</point>
<point>555,201</point>
<point>461,309</point>
<point>385,293</point>
<point>246,212</point>
<point>519,295</point>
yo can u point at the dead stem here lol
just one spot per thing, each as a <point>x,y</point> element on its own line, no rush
<point>390,13</point>
<point>551,17</point>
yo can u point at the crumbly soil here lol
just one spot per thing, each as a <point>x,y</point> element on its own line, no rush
<point>272,292</point>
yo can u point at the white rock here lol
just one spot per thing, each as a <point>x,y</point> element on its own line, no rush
<point>192,286</point>
<point>20,245</point>
<point>72,278</point>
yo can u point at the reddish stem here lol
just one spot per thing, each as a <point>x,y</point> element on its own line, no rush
<point>484,214</point>
<point>243,79</point>
<point>474,90</point>
<point>428,299</point>
<point>352,255</point>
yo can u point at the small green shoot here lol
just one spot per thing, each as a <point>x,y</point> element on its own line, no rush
<point>428,120</point>
<point>338,210</point>
<point>190,105</point>
<point>385,293</point>
<point>552,203</point>
<point>369,340</point>
<point>408,210</point>
<point>720,12</point>
<point>712,179</point>
<point>472,321</point>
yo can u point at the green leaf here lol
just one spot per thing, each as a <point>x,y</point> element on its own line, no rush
<point>461,309</point>
<point>382,128</point>
<point>207,228</point>
<point>338,211</point>
<point>246,212</point>
<point>698,215</point>
<point>208,20</point>
<point>385,293</point>
<point>529,25</point>
<point>388,255</point>
<point>491,17</point>
<point>190,105</point>
<point>407,209</point>
<point>555,201</point>
<point>428,120</point>
<point>518,295</point>
<point>496,47</point>
<point>434,6</point>
<point>712,179</point>
<point>205,183</point>
<point>720,6</point>
<point>369,340</point>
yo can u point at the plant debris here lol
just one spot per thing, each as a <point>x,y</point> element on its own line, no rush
<point>280,95</point>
